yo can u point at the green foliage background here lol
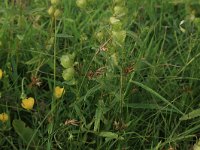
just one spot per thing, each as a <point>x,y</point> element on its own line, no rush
<point>128,95</point>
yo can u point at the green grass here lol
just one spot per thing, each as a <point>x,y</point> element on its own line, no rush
<point>128,91</point>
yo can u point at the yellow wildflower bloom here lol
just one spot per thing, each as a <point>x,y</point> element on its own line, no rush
<point>58,92</point>
<point>28,103</point>
<point>1,74</point>
<point>3,117</point>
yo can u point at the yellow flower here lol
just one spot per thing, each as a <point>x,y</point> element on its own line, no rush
<point>58,92</point>
<point>28,103</point>
<point>3,117</point>
<point>1,74</point>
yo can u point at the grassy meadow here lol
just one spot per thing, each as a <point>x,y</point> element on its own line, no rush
<point>99,74</point>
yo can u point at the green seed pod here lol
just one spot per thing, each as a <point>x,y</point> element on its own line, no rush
<point>119,36</point>
<point>81,3</point>
<point>114,20</point>
<point>120,11</point>
<point>68,74</point>
<point>51,40</point>
<point>67,61</point>
<point>116,23</point>
<point>50,43</point>
<point>83,37</point>
<point>99,36</point>
<point>197,23</point>
<point>114,59</point>
<point>57,13</point>
<point>22,21</point>
<point>55,2</point>
<point>51,10</point>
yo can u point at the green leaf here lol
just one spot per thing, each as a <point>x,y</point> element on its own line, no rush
<point>34,60</point>
<point>90,92</point>
<point>97,119</point>
<point>26,134</point>
<point>157,95</point>
<point>98,116</point>
<point>150,106</point>
<point>110,135</point>
<point>20,37</point>
<point>191,115</point>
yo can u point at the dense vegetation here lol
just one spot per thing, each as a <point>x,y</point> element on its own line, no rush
<point>99,74</point>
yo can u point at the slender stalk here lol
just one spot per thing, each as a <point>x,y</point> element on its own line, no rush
<point>53,103</point>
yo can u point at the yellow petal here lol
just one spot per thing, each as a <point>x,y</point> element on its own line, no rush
<point>28,103</point>
<point>1,74</point>
<point>58,92</point>
<point>3,117</point>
